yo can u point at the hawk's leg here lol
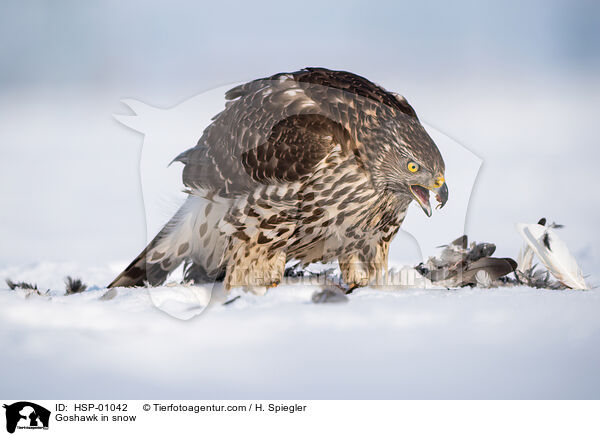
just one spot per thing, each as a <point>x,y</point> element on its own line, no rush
<point>354,271</point>
<point>368,266</point>
<point>255,268</point>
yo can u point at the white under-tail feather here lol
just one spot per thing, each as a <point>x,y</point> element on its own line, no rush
<point>557,259</point>
<point>192,234</point>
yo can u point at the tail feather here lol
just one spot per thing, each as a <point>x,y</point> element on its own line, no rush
<point>142,271</point>
<point>191,235</point>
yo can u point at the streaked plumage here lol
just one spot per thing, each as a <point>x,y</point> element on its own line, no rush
<point>315,165</point>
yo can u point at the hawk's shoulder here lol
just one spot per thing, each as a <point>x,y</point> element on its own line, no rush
<point>277,129</point>
<point>341,80</point>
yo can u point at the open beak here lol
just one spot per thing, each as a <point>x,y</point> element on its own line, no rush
<point>421,194</point>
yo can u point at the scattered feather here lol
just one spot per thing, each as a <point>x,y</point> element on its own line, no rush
<point>537,278</point>
<point>553,253</point>
<point>525,259</point>
<point>74,285</point>
<point>464,264</point>
<point>22,285</point>
<point>27,287</point>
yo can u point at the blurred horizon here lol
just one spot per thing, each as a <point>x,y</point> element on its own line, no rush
<point>111,43</point>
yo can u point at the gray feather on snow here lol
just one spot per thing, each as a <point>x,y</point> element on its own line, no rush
<point>461,264</point>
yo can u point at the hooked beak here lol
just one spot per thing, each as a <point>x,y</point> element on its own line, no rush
<point>441,195</point>
<point>421,194</point>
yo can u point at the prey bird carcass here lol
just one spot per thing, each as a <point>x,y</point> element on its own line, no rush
<point>463,264</point>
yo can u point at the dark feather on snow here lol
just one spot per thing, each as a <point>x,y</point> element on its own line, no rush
<point>74,285</point>
<point>537,278</point>
<point>23,285</point>
<point>27,287</point>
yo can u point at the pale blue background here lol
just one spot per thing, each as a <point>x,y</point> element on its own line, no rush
<point>516,82</point>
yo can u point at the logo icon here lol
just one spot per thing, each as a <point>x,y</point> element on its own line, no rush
<point>26,415</point>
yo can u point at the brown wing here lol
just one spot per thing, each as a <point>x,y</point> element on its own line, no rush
<point>296,145</point>
<point>280,127</point>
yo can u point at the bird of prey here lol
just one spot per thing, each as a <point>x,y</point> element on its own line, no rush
<point>315,165</point>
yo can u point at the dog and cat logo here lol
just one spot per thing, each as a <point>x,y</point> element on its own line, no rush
<point>26,415</point>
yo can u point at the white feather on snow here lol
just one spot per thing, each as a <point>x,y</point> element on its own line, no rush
<point>558,259</point>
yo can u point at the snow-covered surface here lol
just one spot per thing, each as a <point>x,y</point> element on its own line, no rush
<point>467,343</point>
<point>508,343</point>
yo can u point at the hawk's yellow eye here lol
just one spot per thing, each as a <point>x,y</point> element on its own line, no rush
<point>413,167</point>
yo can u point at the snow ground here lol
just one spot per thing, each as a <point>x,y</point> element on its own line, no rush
<point>525,103</point>
<point>468,343</point>
<point>507,343</point>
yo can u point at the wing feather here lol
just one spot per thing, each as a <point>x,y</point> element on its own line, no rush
<point>279,128</point>
<point>558,259</point>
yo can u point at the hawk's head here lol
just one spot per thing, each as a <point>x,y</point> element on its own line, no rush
<point>407,162</point>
